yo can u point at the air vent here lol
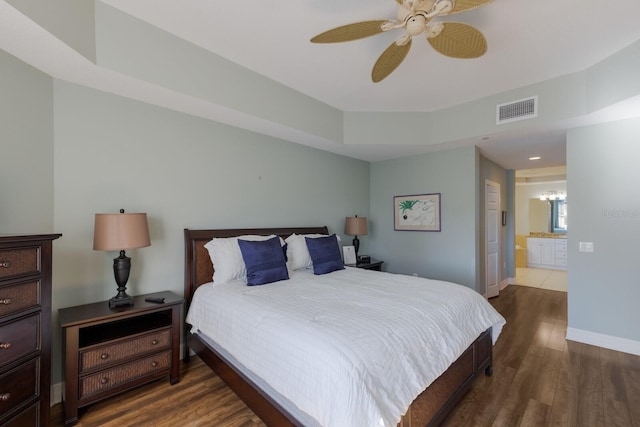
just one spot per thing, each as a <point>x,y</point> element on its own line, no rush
<point>517,110</point>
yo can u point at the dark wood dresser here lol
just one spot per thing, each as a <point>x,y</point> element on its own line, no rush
<point>25,329</point>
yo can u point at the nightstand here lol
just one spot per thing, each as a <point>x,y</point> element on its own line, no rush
<point>108,351</point>
<point>374,264</point>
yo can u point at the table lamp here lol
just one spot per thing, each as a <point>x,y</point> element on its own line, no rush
<point>118,232</point>
<point>356,226</point>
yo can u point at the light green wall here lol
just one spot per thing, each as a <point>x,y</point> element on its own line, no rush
<point>113,153</point>
<point>559,99</point>
<point>604,207</point>
<point>135,48</point>
<point>26,148</point>
<point>450,254</point>
<point>613,79</point>
<point>72,21</point>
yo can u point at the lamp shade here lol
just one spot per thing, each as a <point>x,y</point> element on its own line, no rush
<point>120,231</point>
<point>355,226</point>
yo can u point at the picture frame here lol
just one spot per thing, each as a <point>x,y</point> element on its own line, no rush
<point>417,212</point>
<point>349,255</point>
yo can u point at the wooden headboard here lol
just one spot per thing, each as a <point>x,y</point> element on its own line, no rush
<point>198,269</point>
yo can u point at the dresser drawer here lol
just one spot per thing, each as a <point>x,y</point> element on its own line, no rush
<point>30,417</point>
<point>115,352</point>
<point>128,372</point>
<point>16,262</point>
<point>19,385</point>
<point>19,338</point>
<point>19,297</point>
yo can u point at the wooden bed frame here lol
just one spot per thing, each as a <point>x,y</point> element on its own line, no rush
<point>428,409</point>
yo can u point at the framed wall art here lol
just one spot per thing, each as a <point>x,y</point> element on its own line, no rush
<point>417,212</point>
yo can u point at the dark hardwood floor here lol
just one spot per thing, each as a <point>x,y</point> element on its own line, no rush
<point>539,379</point>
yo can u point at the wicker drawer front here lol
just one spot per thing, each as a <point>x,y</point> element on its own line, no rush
<point>109,354</point>
<point>19,385</point>
<point>118,375</point>
<point>19,338</point>
<point>16,262</point>
<point>19,297</point>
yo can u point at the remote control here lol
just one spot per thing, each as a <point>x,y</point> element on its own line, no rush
<point>157,300</point>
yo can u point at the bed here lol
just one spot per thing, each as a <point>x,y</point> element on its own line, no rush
<point>430,406</point>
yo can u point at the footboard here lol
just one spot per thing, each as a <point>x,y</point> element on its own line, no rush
<point>429,409</point>
<point>434,404</point>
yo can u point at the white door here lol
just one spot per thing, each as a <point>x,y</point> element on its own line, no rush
<point>492,237</point>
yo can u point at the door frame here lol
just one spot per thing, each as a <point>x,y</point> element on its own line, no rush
<point>492,290</point>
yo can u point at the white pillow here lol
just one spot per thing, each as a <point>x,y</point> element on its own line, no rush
<point>227,259</point>
<point>297,252</point>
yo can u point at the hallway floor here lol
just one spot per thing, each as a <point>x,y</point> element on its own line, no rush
<point>555,280</point>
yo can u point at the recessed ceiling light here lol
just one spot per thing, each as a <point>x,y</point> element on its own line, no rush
<point>535,158</point>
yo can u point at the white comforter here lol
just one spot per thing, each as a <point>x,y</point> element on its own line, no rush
<point>350,348</point>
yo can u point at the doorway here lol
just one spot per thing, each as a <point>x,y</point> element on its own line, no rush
<point>540,251</point>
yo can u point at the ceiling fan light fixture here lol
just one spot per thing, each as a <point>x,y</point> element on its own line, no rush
<point>453,39</point>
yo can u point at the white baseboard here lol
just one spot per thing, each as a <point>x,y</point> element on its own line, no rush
<point>505,283</point>
<point>607,341</point>
<point>56,393</point>
<point>511,280</point>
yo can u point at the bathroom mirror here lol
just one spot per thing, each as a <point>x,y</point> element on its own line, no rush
<point>547,216</point>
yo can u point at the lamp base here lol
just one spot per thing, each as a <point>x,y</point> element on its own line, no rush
<point>121,267</point>
<point>120,300</point>
<point>356,245</point>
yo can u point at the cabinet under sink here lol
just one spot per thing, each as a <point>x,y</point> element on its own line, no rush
<point>547,253</point>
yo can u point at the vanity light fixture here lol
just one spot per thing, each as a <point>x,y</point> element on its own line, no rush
<point>552,195</point>
<point>535,158</point>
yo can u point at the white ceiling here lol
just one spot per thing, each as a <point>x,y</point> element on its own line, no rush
<point>528,42</point>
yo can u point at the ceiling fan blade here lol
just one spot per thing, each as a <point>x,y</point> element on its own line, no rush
<point>459,40</point>
<point>389,61</point>
<point>464,5</point>
<point>345,33</point>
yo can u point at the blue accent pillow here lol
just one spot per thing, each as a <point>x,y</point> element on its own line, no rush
<point>264,261</point>
<point>325,254</point>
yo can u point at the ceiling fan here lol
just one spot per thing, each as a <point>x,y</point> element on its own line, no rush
<point>453,39</point>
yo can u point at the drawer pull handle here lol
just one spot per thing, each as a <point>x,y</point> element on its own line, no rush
<point>154,342</point>
<point>5,301</point>
<point>104,380</point>
<point>5,345</point>
<point>154,364</point>
<point>104,356</point>
<point>5,264</point>
<point>4,397</point>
